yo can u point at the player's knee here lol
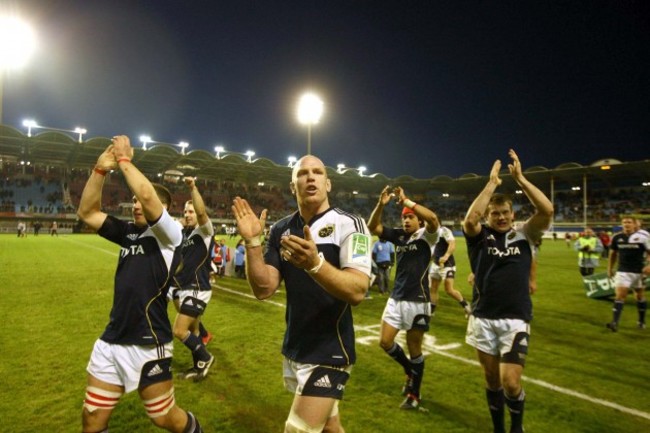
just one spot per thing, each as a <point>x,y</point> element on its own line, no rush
<point>385,344</point>
<point>180,332</point>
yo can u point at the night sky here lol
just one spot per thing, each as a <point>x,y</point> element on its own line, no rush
<point>420,88</point>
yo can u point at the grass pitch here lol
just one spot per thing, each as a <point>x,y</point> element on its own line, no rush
<point>57,293</point>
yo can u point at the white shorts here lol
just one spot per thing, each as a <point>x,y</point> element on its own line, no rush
<point>407,315</point>
<point>122,365</point>
<point>507,338</point>
<point>629,280</point>
<point>315,380</point>
<point>438,273</point>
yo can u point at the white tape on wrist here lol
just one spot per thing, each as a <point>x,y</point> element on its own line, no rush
<point>316,268</point>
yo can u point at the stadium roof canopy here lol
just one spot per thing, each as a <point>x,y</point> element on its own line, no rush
<point>61,150</point>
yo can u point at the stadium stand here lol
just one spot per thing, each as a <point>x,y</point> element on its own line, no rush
<point>43,176</point>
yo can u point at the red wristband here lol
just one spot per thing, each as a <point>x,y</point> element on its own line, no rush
<point>124,159</point>
<point>100,171</point>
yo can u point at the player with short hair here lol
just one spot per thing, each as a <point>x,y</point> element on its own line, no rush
<point>443,268</point>
<point>408,307</point>
<point>135,350</point>
<point>631,248</point>
<point>323,256</point>
<point>191,287</point>
<point>501,257</point>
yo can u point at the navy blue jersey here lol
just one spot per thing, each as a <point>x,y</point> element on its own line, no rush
<point>319,326</point>
<point>501,265</point>
<point>413,256</point>
<point>440,248</point>
<point>194,270</point>
<point>148,256</point>
<point>631,250</point>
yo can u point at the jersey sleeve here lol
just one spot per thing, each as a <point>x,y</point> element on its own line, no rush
<point>356,250</point>
<point>113,229</point>
<point>167,230</point>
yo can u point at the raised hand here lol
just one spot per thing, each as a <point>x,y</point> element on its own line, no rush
<point>106,160</point>
<point>515,166</point>
<point>385,196</point>
<point>122,147</point>
<point>494,173</point>
<point>248,224</point>
<point>190,182</point>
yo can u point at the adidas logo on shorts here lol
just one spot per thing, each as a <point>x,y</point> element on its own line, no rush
<point>323,382</point>
<point>155,370</point>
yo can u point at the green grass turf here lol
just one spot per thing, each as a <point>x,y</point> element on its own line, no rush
<point>56,295</point>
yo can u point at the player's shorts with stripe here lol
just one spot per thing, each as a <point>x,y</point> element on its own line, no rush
<point>507,338</point>
<point>130,366</point>
<point>315,380</point>
<point>407,315</point>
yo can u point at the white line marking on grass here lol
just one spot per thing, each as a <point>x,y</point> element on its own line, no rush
<point>248,295</point>
<point>430,347</point>
<point>112,253</point>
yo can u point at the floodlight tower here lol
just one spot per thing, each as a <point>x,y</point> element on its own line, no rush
<point>17,42</point>
<point>310,110</point>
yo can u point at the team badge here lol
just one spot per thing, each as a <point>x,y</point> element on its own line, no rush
<point>511,235</point>
<point>326,231</point>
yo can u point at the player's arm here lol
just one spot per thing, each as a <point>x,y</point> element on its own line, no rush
<point>374,222</point>
<point>542,218</point>
<point>197,200</point>
<point>91,198</point>
<point>141,187</point>
<point>476,211</point>
<point>264,279</point>
<point>347,284</point>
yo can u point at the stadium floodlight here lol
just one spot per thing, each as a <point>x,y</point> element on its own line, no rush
<point>145,139</point>
<point>183,145</point>
<point>292,160</point>
<point>445,194</point>
<point>519,191</point>
<point>310,110</point>
<point>81,132</point>
<point>250,154</point>
<point>362,169</point>
<point>340,167</point>
<point>30,123</point>
<point>218,151</point>
<point>17,43</point>
<point>575,188</point>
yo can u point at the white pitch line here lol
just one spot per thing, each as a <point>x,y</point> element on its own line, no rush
<point>543,384</point>
<point>112,253</point>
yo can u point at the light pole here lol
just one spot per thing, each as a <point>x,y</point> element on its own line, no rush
<point>17,42</point>
<point>145,139</point>
<point>218,151</point>
<point>81,132</point>
<point>249,155</point>
<point>310,110</point>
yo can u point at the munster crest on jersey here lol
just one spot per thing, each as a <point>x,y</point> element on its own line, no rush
<point>326,231</point>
